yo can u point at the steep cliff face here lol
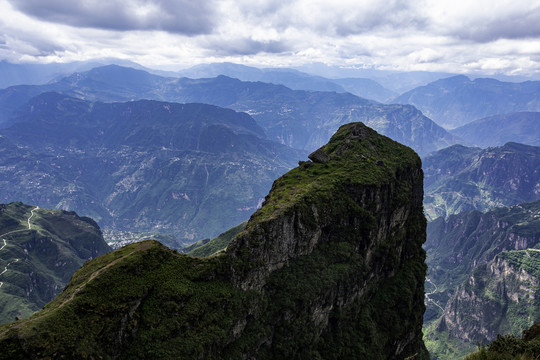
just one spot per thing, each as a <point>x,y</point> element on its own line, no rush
<point>502,295</point>
<point>485,272</point>
<point>341,236</point>
<point>330,267</point>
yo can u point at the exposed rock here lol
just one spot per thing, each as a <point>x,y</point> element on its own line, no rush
<point>460,178</point>
<point>331,267</point>
<point>498,298</point>
<point>486,273</point>
<point>319,156</point>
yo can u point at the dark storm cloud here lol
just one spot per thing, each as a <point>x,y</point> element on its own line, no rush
<point>177,16</point>
<point>245,47</point>
<point>521,25</point>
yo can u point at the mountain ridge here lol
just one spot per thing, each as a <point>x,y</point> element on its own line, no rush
<point>300,119</point>
<point>142,165</point>
<point>461,178</point>
<point>245,302</point>
<point>41,249</point>
<point>486,272</point>
<point>520,127</point>
<point>457,100</point>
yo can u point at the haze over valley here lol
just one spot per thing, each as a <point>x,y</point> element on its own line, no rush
<point>359,180</point>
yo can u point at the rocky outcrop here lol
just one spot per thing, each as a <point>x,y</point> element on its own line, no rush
<point>330,267</point>
<point>484,270</point>
<point>500,297</point>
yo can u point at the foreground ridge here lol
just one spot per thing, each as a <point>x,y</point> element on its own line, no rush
<point>330,267</point>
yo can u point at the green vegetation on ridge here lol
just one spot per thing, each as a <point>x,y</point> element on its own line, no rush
<point>321,276</point>
<point>509,347</point>
<point>205,249</point>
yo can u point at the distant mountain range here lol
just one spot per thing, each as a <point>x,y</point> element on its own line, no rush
<point>520,127</point>
<point>293,79</point>
<point>457,100</point>
<point>36,74</point>
<point>484,271</point>
<point>461,178</point>
<point>40,249</point>
<point>192,170</point>
<point>297,118</point>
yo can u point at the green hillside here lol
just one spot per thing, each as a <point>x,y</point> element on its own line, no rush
<point>40,250</point>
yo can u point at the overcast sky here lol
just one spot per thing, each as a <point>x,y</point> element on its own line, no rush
<point>460,36</point>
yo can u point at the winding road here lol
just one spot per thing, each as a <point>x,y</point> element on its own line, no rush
<point>11,232</point>
<point>31,216</point>
<point>427,295</point>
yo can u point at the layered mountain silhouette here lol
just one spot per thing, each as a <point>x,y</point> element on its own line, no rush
<point>497,130</point>
<point>457,100</point>
<point>296,118</point>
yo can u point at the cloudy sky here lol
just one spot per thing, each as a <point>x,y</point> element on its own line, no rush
<point>461,36</point>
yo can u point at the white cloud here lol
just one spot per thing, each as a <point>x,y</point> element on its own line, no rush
<point>457,36</point>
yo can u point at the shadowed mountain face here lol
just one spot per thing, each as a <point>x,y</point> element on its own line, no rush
<point>296,118</point>
<point>460,178</point>
<point>457,100</point>
<point>521,127</point>
<point>40,249</point>
<point>330,267</point>
<point>193,170</point>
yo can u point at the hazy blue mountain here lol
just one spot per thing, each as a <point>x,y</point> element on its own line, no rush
<point>40,249</point>
<point>484,271</point>
<point>521,127</point>
<point>457,100</point>
<point>459,178</point>
<point>35,74</point>
<point>296,118</point>
<point>396,81</point>
<point>293,79</point>
<point>366,88</point>
<point>192,170</point>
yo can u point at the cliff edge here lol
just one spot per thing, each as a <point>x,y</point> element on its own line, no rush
<point>330,267</point>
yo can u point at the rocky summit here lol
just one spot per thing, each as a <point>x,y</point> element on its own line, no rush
<point>330,267</point>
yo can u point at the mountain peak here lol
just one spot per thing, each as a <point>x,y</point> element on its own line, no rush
<point>329,253</point>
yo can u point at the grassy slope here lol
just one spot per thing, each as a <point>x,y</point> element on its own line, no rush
<point>217,244</point>
<point>146,299</point>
